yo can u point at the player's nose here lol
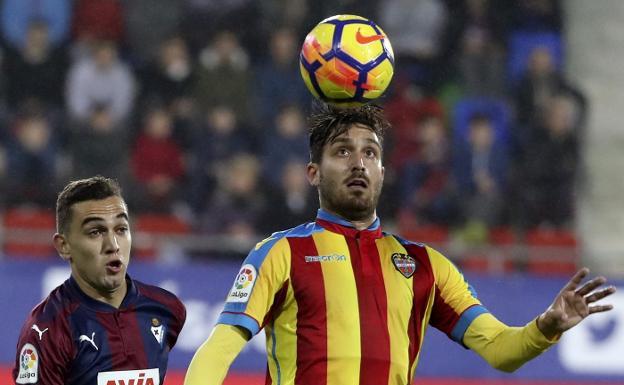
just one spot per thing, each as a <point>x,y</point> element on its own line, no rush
<point>358,163</point>
<point>111,244</point>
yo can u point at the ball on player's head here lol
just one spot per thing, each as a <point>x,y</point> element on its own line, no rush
<point>346,60</point>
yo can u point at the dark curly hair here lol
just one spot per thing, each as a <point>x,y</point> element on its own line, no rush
<point>327,122</point>
<point>94,188</point>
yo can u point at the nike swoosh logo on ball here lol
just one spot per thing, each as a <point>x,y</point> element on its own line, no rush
<point>367,39</point>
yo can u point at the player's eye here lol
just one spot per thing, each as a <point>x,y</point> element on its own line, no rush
<point>343,151</point>
<point>122,230</point>
<point>370,153</point>
<point>94,232</point>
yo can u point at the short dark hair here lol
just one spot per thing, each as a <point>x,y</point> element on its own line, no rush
<point>328,122</point>
<point>94,188</point>
<point>479,118</point>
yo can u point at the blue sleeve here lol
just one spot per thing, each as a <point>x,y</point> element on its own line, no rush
<point>457,334</point>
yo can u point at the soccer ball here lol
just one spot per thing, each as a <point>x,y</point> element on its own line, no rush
<point>346,60</point>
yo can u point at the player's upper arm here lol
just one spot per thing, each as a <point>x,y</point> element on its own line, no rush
<point>43,354</point>
<point>214,357</point>
<point>456,304</point>
<point>258,284</point>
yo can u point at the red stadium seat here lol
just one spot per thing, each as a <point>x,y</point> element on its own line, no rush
<point>478,262</point>
<point>150,229</point>
<point>28,233</point>
<point>552,252</point>
<point>430,234</point>
<point>496,256</point>
<point>502,236</point>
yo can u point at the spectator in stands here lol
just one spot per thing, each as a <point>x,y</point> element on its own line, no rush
<point>157,163</point>
<point>169,78</point>
<point>99,146</point>
<point>480,64</point>
<point>100,79</point>
<point>18,15</point>
<point>95,20</point>
<point>426,185</point>
<point>480,166</point>
<point>407,108</point>
<point>32,159</point>
<point>475,48</point>
<point>288,140</point>
<point>551,166</point>
<point>537,15</point>
<point>237,205</point>
<point>223,75</point>
<point>539,83</point>
<point>35,70</point>
<point>218,139</point>
<point>417,30</point>
<point>295,15</point>
<point>143,39</point>
<point>204,20</point>
<point>277,78</point>
<point>291,202</point>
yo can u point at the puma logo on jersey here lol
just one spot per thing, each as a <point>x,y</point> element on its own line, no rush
<point>36,328</point>
<point>91,340</point>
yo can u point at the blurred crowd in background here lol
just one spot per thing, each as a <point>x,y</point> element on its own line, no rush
<point>198,108</point>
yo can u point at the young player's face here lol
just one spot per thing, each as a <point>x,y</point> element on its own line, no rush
<point>97,244</point>
<point>350,174</point>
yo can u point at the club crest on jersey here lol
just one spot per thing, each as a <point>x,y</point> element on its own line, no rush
<point>28,365</point>
<point>404,263</point>
<point>243,284</point>
<point>129,377</point>
<point>158,330</point>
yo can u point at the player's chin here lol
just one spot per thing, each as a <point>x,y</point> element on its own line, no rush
<point>359,206</point>
<point>113,283</point>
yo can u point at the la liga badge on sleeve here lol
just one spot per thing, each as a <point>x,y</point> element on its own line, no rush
<point>243,284</point>
<point>28,365</point>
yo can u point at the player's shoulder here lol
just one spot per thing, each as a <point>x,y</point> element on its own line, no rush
<point>52,313</point>
<point>437,261</point>
<point>155,293</point>
<point>406,242</point>
<point>162,296</point>
<point>301,231</point>
<point>421,251</point>
<point>58,303</point>
<point>277,245</point>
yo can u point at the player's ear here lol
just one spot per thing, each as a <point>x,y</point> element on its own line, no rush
<point>313,173</point>
<point>62,247</point>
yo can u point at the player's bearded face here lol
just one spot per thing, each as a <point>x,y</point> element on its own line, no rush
<point>351,174</point>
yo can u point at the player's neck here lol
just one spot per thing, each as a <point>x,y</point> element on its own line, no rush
<point>114,298</point>
<point>363,225</point>
<point>359,224</point>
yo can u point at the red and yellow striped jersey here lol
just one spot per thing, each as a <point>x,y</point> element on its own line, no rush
<point>342,306</point>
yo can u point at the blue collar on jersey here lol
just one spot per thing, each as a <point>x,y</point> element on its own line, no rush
<point>329,217</point>
<point>96,305</point>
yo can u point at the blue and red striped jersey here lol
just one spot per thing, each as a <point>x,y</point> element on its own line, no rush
<point>73,339</point>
